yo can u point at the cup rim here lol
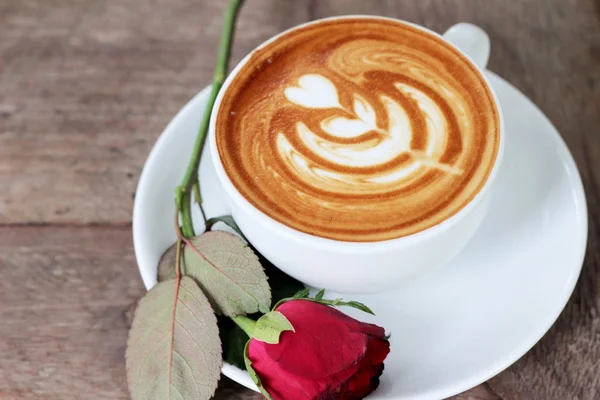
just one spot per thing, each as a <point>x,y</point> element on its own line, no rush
<point>327,243</point>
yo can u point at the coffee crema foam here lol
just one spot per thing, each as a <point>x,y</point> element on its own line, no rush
<point>358,130</point>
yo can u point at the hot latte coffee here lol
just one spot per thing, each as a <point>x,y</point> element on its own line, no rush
<point>358,130</point>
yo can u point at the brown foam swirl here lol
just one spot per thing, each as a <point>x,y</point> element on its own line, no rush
<point>358,130</point>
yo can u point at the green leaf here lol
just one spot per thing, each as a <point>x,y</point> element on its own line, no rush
<point>227,220</point>
<point>282,285</point>
<point>359,306</point>
<point>166,265</point>
<point>270,326</point>
<point>253,374</point>
<point>341,303</point>
<point>320,295</point>
<point>302,294</point>
<point>173,350</point>
<point>228,272</point>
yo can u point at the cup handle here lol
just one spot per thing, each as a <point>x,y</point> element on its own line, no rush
<point>471,40</point>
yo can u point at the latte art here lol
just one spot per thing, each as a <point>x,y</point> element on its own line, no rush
<point>358,130</point>
<point>389,150</point>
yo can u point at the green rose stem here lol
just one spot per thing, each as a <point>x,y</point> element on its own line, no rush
<point>247,324</point>
<point>190,184</point>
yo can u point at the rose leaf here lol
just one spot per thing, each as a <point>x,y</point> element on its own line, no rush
<point>166,265</point>
<point>227,220</point>
<point>229,273</point>
<point>173,350</point>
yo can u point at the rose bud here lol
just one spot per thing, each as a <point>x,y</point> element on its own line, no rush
<point>329,355</point>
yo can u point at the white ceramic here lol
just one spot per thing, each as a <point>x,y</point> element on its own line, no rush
<point>362,267</point>
<point>462,324</point>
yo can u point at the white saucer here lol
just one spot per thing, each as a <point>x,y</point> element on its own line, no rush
<point>464,324</point>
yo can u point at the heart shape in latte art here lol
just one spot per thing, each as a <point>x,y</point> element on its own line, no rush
<point>313,91</point>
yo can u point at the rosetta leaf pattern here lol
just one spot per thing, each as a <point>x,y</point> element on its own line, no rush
<point>345,127</point>
<point>364,111</point>
<point>317,92</point>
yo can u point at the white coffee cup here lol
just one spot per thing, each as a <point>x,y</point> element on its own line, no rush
<point>363,267</point>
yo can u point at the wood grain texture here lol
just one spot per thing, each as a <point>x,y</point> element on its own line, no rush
<point>63,296</point>
<point>87,86</point>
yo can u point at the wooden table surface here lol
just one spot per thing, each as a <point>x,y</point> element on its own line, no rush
<point>87,86</point>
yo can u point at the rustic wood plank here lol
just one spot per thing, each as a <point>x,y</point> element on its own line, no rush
<point>481,392</point>
<point>86,87</point>
<point>63,294</point>
<point>66,298</point>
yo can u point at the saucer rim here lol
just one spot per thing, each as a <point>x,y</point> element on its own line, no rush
<point>576,186</point>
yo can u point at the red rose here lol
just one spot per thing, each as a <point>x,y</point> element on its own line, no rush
<point>329,356</point>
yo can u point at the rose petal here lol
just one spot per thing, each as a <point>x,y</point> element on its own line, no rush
<point>280,383</point>
<point>324,342</point>
<point>330,356</point>
<point>368,329</point>
<point>366,378</point>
